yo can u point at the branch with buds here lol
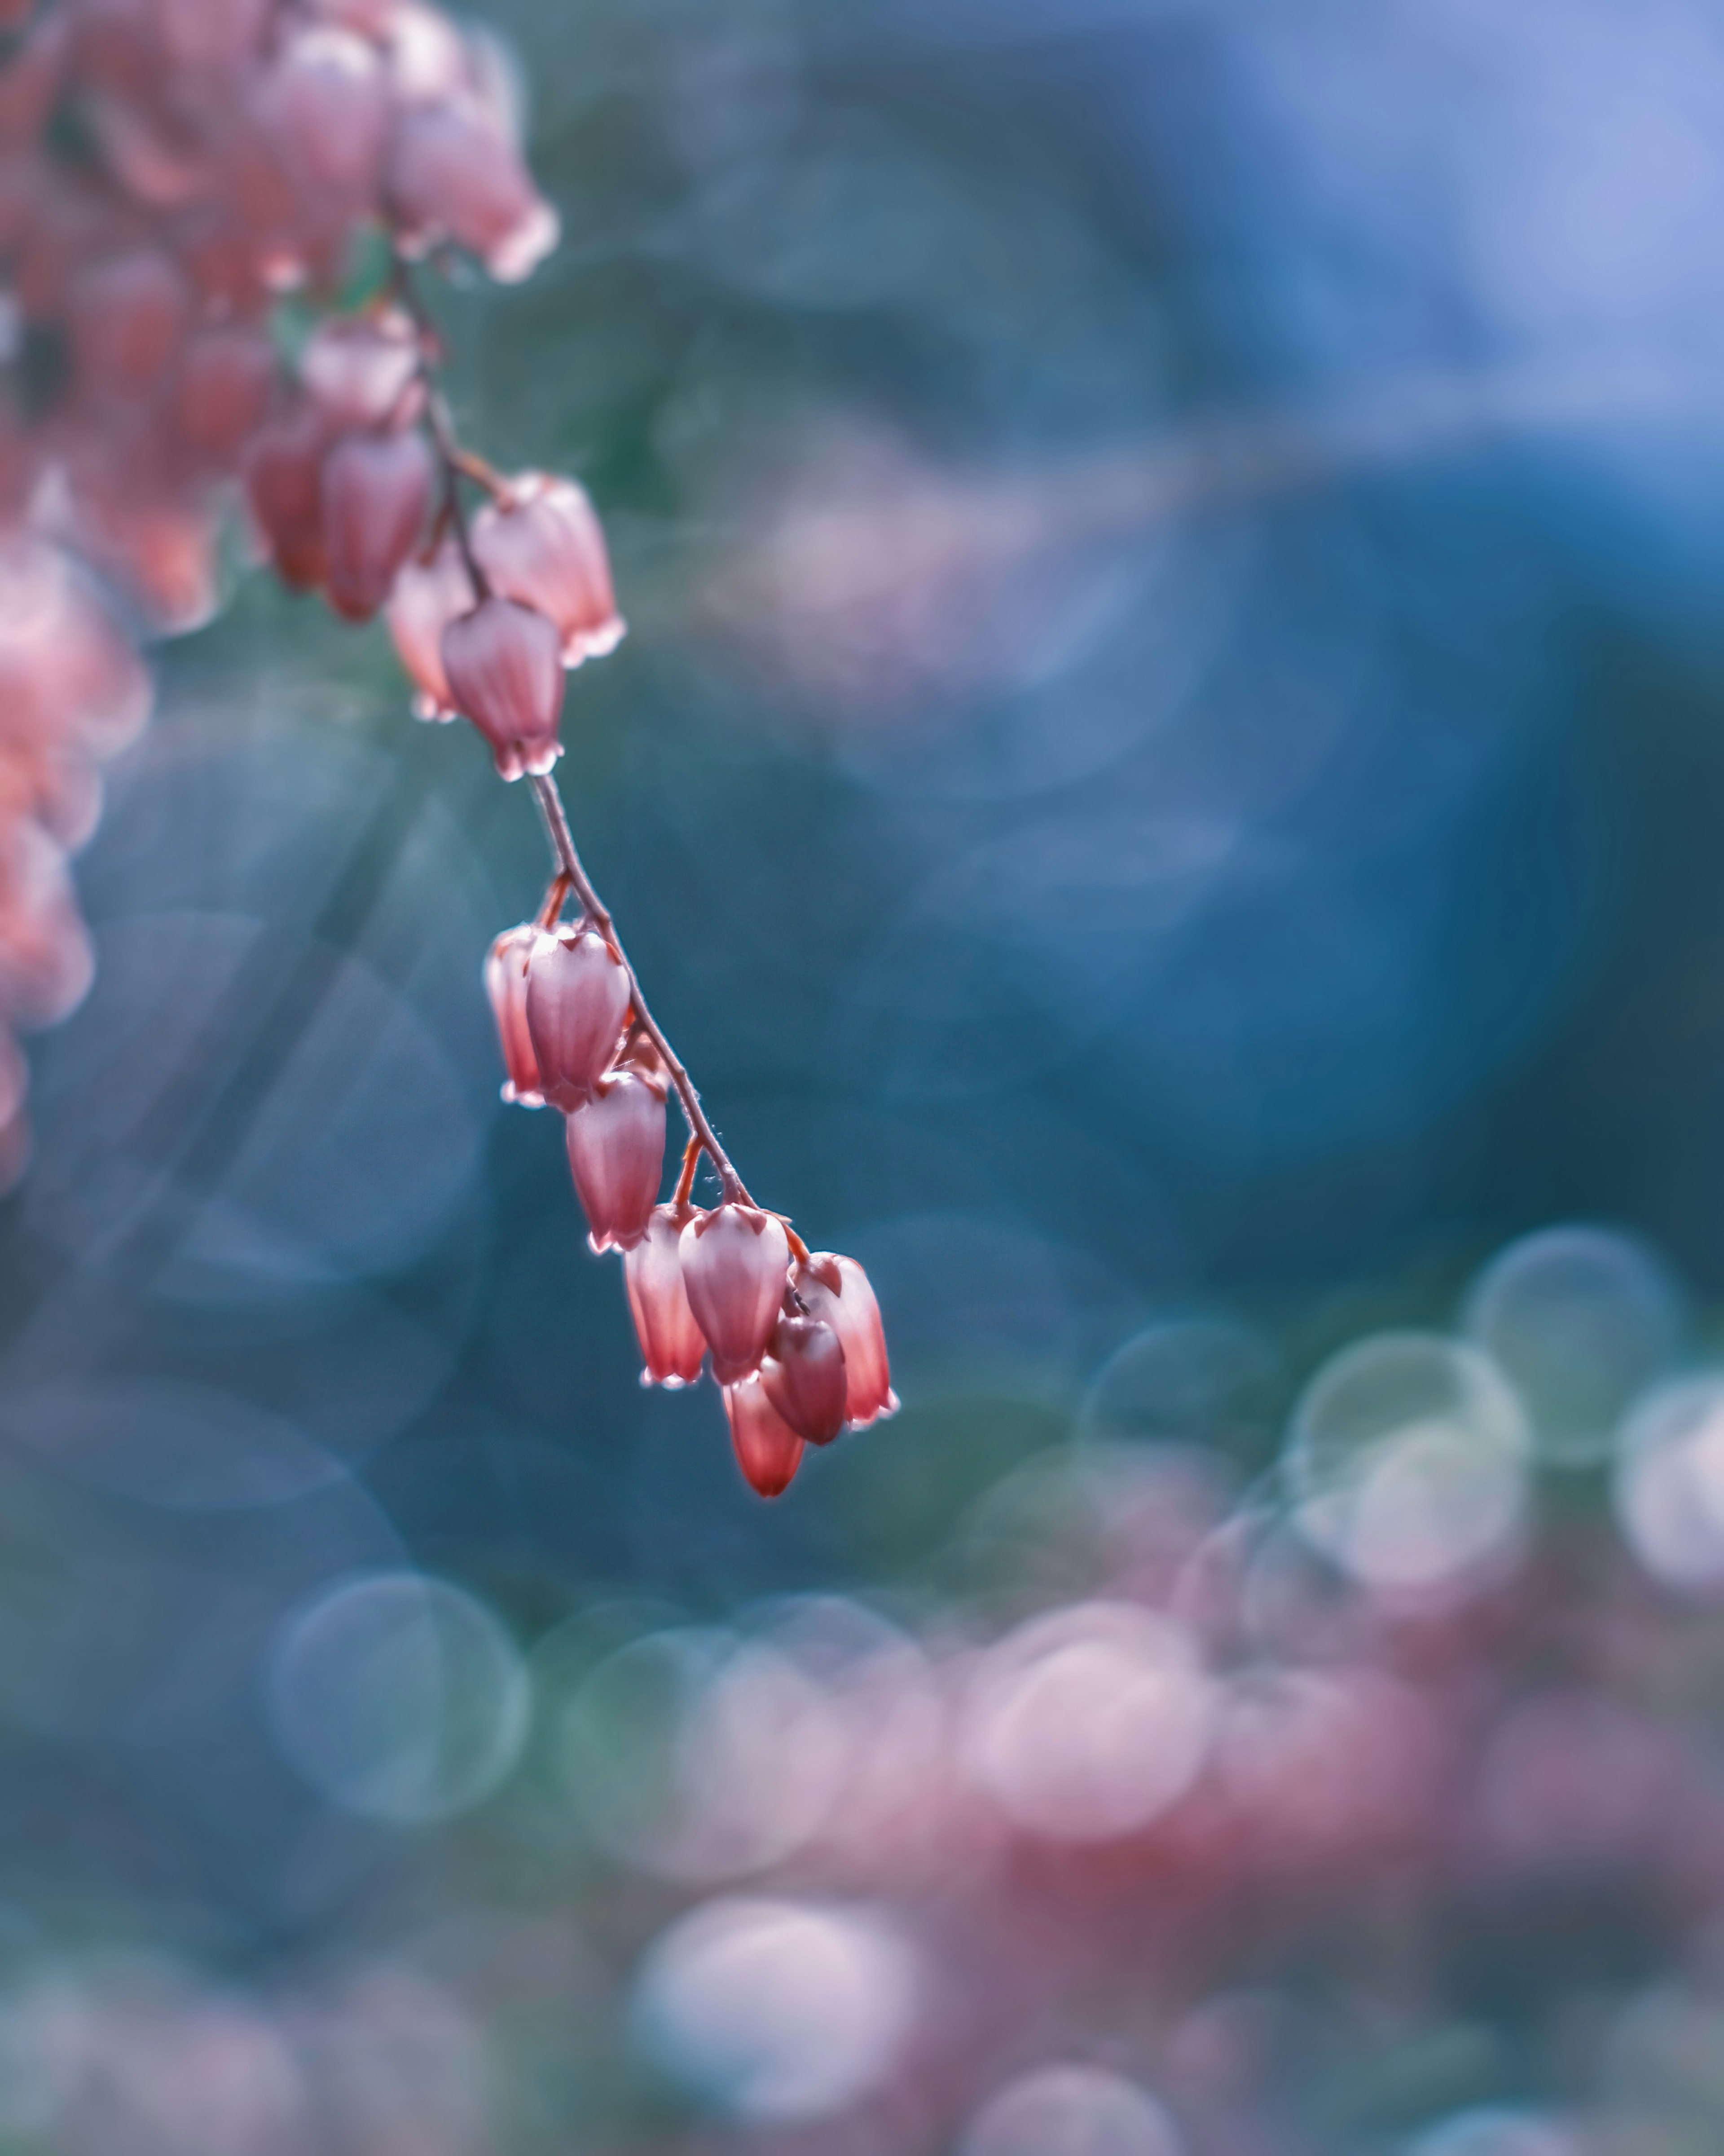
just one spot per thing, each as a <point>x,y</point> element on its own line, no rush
<point>224,154</point>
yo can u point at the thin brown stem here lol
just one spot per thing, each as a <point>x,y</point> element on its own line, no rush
<point>454,460</point>
<point>563,845</point>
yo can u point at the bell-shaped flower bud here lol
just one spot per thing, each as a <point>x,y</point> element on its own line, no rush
<point>803,1374</point>
<point>837,1290</point>
<point>733,1262</point>
<point>325,107</point>
<point>454,175</point>
<point>359,369</point>
<point>672,1346</point>
<point>427,597</point>
<point>129,317</point>
<point>284,485</point>
<point>211,33</point>
<point>376,490</point>
<point>505,984</point>
<point>616,1143</point>
<point>767,1449</point>
<point>222,395</point>
<point>577,998</point>
<point>504,666</point>
<point>543,545</point>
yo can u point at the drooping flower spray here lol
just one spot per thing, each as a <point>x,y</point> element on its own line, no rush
<point>170,171</point>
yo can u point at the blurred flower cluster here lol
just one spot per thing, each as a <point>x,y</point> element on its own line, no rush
<point>169,170</point>
<point>1369,1803</point>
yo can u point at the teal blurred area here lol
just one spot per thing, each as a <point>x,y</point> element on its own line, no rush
<point>1165,779</point>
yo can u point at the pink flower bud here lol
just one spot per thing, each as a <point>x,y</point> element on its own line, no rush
<point>506,983</point>
<point>577,999</point>
<point>837,1290</point>
<point>672,1346</point>
<point>803,1374</point>
<point>427,597</point>
<point>129,315</point>
<point>284,484</point>
<point>454,175</point>
<point>544,547</point>
<point>767,1450</point>
<point>504,666</point>
<point>376,490</point>
<point>222,395</point>
<point>211,33</point>
<point>616,1143</point>
<point>733,1264</point>
<point>359,370</point>
<point>324,106</point>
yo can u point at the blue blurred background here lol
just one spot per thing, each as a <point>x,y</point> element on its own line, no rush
<point>1166,780</point>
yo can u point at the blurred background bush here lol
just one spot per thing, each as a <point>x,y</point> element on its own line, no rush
<point>1166,780</point>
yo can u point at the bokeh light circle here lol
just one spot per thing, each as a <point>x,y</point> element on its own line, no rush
<point>398,1698</point>
<point>1089,1723</point>
<point>1580,1321</point>
<point>777,2010</point>
<point>1669,1483</point>
<point>1409,1458</point>
<point>1072,2111</point>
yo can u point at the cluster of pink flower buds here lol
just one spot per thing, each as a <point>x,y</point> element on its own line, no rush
<point>794,1337</point>
<point>169,170</point>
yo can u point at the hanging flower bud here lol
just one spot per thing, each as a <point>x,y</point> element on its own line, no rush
<point>543,545</point>
<point>376,490</point>
<point>837,1290</point>
<point>767,1450</point>
<point>505,984</point>
<point>616,1145</point>
<point>427,597</point>
<point>129,315</point>
<point>223,390</point>
<point>803,1374</point>
<point>733,1263</point>
<point>359,369</point>
<point>454,175</point>
<point>672,1346</point>
<point>284,484</point>
<point>577,1001</point>
<point>325,109</point>
<point>504,665</point>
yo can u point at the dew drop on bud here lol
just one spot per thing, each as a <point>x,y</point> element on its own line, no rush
<point>671,1344</point>
<point>504,665</point>
<point>577,999</point>
<point>837,1290</point>
<point>733,1264</point>
<point>804,1377</point>
<point>376,490</point>
<point>505,984</point>
<point>543,546</point>
<point>616,1148</point>
<point>767,1449</point>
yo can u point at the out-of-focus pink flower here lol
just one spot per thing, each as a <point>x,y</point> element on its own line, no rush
<point>734,1261</point>
<point>767,1450</point>
<point>672,1345</point>
<point>504,666</point>
<point>803,1374</point>
<point>837,1290</point>
<point>544,547</point>
<point>222,396</point>
<point>129,315</point>
<point>506,967</point>
<point>616,1148</point>
<point>427,597</point>
<point>284,484</point>
<point>376,490</point>
<point>358,370</point>
<point>453,175</point>
<point>218,34</point>
<point>324,106</point>
<point>577,1001</point>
